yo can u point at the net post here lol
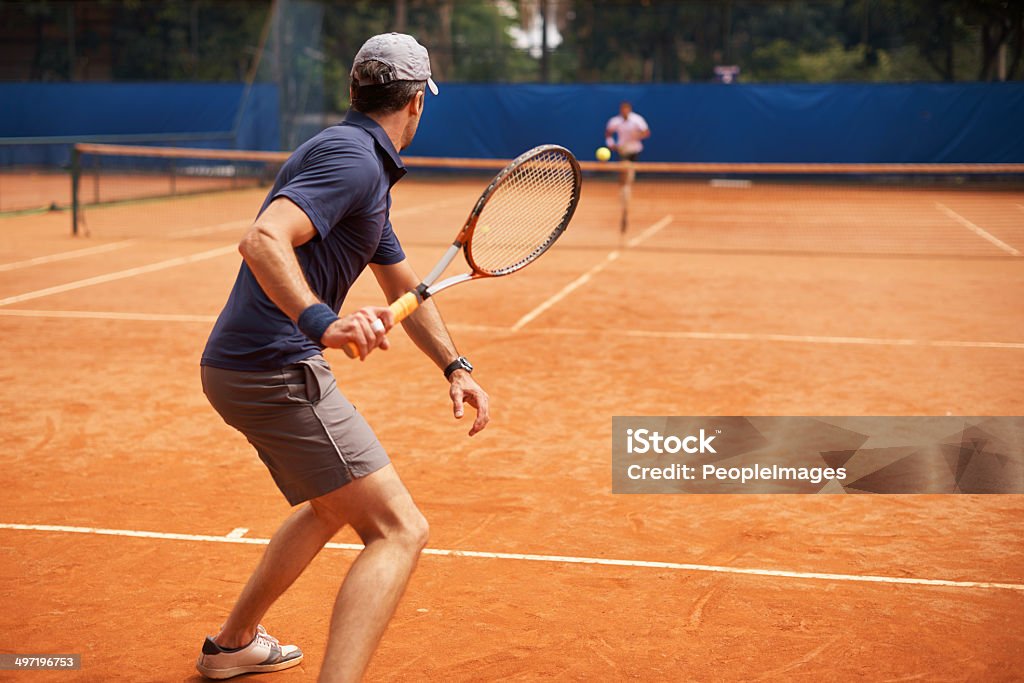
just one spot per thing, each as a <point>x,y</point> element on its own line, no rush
<point>76,176</point>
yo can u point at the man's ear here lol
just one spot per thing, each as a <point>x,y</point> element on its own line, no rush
<point>417,102</point>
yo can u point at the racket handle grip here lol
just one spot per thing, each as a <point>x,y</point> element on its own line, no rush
<point>401,308</point>
<point>405,305</point>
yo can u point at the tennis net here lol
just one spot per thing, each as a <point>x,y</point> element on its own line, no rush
<point>974,210</point>
<point>110,175</point>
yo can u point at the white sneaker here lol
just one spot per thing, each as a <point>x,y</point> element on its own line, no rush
<point>264,654</point>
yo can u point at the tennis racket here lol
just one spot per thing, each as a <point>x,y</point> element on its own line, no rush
<point>518,217</point>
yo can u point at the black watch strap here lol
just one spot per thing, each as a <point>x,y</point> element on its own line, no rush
<point>459,363</point>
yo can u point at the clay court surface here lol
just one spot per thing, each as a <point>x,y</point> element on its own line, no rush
<point>719,301</point>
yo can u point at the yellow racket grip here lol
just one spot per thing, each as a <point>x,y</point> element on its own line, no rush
<point>401,308</point>
<point>404,306</point>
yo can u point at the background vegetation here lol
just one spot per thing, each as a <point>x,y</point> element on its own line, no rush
<point>484,41</point>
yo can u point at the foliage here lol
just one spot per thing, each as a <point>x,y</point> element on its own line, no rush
<point>470,40</point>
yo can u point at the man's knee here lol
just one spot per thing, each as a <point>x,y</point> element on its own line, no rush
<point>408,529</point>
<point>405,525</point>
<point>416,531</point>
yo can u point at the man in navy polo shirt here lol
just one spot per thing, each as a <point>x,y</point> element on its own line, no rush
<point>324,221</point>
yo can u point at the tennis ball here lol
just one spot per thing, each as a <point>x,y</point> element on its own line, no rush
<point>484,229</point>
<point>603,154</point>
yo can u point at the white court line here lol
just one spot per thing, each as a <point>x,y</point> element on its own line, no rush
<point>565,291</point>
<point>977,230</point>
<point>817,339</point>
<point>649,232</point>
<point>494,330</point>
<point>104,248</point>
<point>585,278</point>
<point>756,337</point>
<point>119,275</point>
<point>559,559</point>
<point>192,232</point>
<point>110,315</point>
<point>237,532</point>
<point>65,255</point>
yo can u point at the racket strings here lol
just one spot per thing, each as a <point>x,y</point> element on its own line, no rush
<point>526,213</point>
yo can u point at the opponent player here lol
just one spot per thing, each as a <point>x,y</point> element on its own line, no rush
<point>625,134</point>
<point>323,222</point>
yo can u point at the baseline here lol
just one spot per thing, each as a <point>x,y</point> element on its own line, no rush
<point>234,537</point>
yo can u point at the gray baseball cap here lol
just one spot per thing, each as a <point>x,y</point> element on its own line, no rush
<point>408,59</point>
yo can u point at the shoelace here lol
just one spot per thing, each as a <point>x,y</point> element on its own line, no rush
<point>265,638</point>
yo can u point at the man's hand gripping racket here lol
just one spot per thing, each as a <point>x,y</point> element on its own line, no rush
<point>518,217</point>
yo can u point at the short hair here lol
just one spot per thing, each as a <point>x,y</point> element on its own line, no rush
<point>383,98</point>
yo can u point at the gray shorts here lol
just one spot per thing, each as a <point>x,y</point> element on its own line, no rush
<point>308,435</point>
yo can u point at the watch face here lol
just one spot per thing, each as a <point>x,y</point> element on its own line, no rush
<point>465,364</point>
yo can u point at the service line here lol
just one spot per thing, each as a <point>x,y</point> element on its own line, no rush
<point>66,255</point>
<point>181,234</point>
<point>119,275</point>
<point>113,246</point>
<point>585,278</point>
<point>977,230</point>
<point>570,331</point>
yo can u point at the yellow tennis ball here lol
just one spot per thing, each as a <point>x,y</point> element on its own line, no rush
<point>603,154</point>
<point>484,229</point>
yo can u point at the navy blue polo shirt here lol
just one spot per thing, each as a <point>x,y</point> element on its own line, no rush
<point>341,178</point>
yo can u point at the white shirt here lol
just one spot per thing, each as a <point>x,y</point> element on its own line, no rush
<point>628,131</point>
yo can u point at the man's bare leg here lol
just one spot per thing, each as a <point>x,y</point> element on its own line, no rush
<point>292,548</point>
<point>382,512</point>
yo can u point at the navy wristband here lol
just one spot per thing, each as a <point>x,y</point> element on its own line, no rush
<point>315,320</point>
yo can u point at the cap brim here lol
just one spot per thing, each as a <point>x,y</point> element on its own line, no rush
<point>432,85</point>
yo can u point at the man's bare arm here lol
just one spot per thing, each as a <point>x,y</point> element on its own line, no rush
<point>269,250</point>
<point>425,327</point>
<point>428,331</point>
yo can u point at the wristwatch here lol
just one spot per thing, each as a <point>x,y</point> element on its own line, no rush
<point>459,363</point>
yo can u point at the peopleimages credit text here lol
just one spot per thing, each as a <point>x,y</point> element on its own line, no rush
<point>644,441</point>
<point>829,455</point>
